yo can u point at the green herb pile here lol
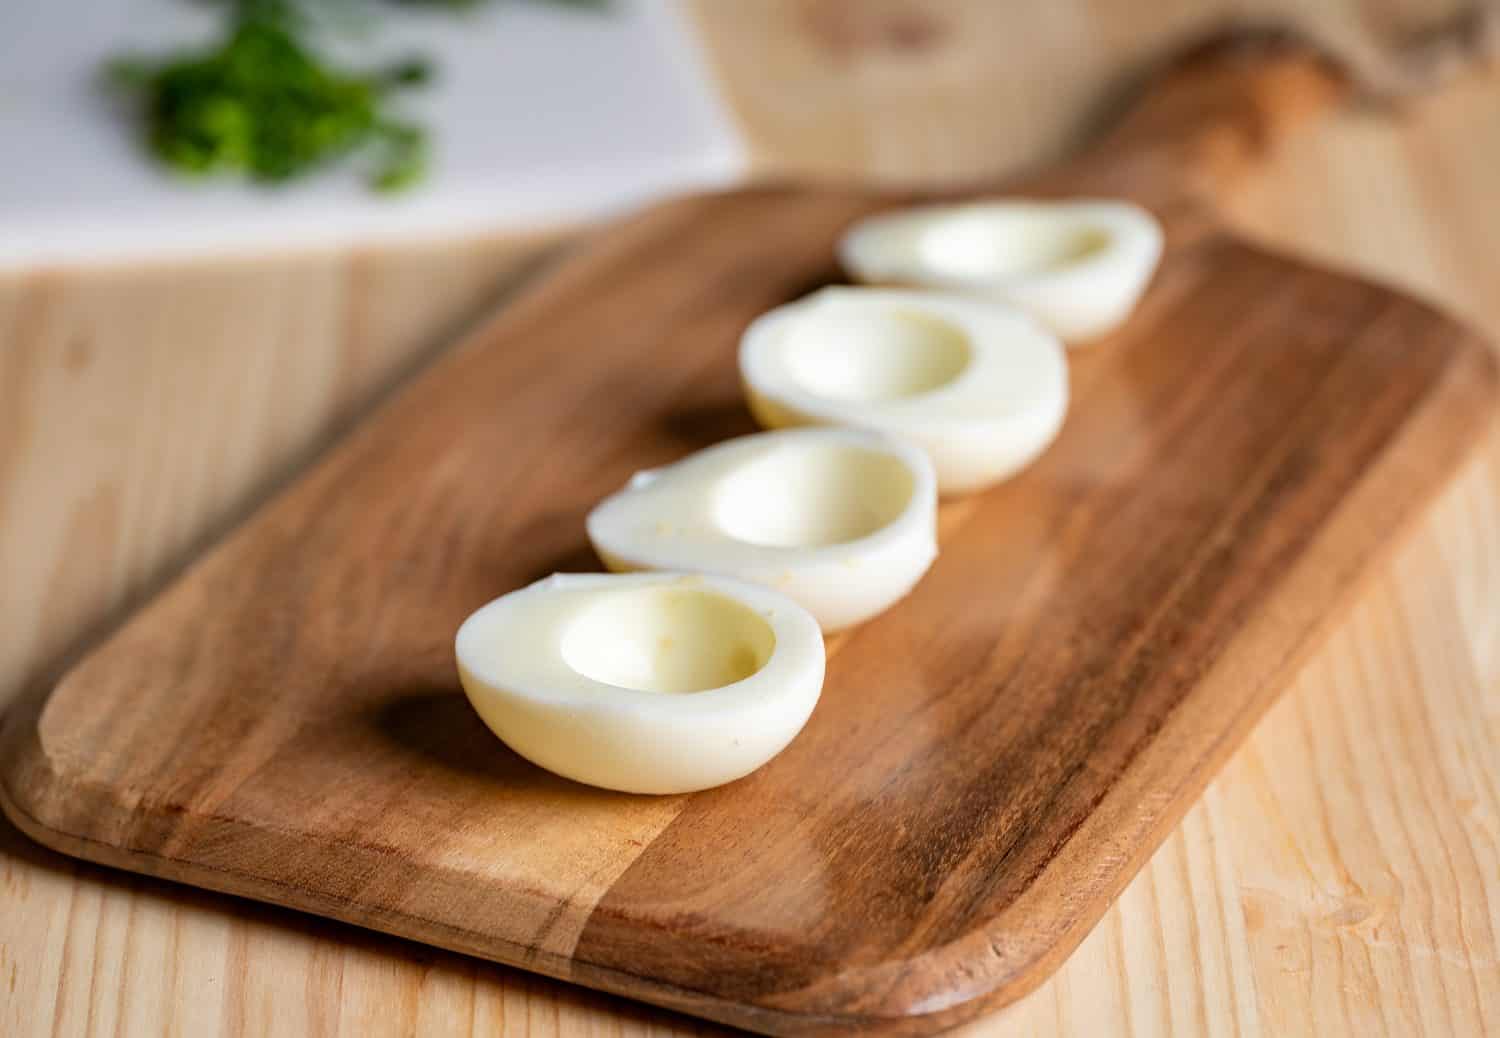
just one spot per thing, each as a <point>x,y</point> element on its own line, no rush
<point>262,103</point>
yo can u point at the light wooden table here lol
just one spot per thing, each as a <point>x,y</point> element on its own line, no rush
<point>1342,876</point>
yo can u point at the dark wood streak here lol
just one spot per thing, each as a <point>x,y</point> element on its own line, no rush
<point>992,760</point>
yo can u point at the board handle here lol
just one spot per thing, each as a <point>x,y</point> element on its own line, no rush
<point>1214,114</point>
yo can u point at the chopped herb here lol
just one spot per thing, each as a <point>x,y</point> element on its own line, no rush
<point>263,104</point>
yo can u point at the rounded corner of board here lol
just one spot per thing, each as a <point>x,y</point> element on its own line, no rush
<point>33,784</point>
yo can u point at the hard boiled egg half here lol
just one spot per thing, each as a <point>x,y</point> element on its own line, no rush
<point>646,682</point>
<point>978,385</point>
<point>843,522</point>
<point>1079,267</point>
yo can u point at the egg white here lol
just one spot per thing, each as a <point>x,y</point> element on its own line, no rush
<point>1077,266</point>
<point>644,682</point>
<point>977,385</point>
<point>842,521</point>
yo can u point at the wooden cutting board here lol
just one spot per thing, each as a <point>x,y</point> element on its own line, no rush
<point>991,760</point>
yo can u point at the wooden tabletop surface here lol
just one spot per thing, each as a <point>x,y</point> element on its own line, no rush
<point>1342,876</point>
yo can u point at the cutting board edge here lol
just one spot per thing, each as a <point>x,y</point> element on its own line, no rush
<point>1425,434</point>
<point>262,890</point>
<point>33,785</point>
<point>917,994</point>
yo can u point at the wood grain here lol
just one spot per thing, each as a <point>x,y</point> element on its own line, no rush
<point>993,760</point>
<point>171,399</point>
<point>1406,196</point>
